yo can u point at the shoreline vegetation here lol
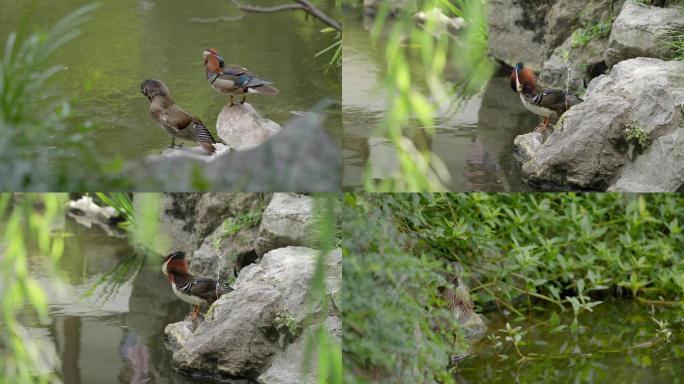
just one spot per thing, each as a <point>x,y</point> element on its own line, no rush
<point>524,256</point>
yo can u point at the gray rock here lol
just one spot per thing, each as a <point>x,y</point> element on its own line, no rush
<point>639,31</point>
<point>659,169</point>
<point>189,218</point>
<point>589,149</point>
<point>241,127</point>
<point>229,251</point>
<point>177,220</point>
<point>530,31</point>
<point>240,337</point>
<point>526,145</point>
<point>214,208</point>
<point>288,220</point>
<point>283,369</point>
<point>580,65</point>
<point>516,31</point>
<point>197,153</point>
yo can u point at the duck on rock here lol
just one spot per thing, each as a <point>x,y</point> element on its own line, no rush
<point>546,102</point>
<point>178,123</point>
<point>234,79</point>
<point>192,290</point>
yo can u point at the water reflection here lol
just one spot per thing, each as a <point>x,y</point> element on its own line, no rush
<point>118,340</point>
<point>474,137</point>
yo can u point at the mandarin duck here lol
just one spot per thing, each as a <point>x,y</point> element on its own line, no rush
<point>458,299</point>
<point>192,290</point>
<point>173,119</point>
<point>234,79</point>
<point>545,102</point>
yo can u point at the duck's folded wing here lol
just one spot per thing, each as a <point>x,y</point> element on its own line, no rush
<point>204,288</point>
<point>188,125</point>
<point>241,77</point>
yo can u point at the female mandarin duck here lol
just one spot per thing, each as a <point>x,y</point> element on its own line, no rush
<point>173,119</point>
<point>193,290</point>
<point>544,102</point>
<point>234,79</point>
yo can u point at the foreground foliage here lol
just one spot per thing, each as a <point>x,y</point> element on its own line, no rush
<point>520,252</point>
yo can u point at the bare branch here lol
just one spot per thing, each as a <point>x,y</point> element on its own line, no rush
<point>218,19</point>
<point>303,5</point>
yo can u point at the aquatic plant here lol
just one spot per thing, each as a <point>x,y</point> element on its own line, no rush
<point>419,168</point>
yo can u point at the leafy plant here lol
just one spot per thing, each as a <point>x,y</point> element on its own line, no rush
<point>285,322</point>
<point>122,203</point>
<point>636,136</point>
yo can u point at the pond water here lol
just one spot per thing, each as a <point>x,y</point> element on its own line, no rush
<point>112,336</point>
<point>617,343</point>
<point>128,41</point>
<point>474,138</point>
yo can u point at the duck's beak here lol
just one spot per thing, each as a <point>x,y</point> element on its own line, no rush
<point>517,79</point>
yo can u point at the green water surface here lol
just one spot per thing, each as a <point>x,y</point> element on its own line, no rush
<point>617,343</point>
<point>128,41</point>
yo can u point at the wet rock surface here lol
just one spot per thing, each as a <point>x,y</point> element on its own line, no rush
<point>589,149</point>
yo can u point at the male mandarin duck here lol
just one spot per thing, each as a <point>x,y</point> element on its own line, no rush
<point>234,79</point>
<point>544,102</point>
<point>173,119</point>
<point>193,290</point>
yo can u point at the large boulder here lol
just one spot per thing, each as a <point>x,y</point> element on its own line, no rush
<point>571,65</point>
<point>242,336</point>
<point>189,218</point>
<point>240,127</point>
<point>639,31</point>
<point>589,150</point>
<point>530,31</point>
<point>288,220</point>
<point>281,370</point>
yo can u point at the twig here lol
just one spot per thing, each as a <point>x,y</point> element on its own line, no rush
<point>224,19</point>
<point>303,5</point>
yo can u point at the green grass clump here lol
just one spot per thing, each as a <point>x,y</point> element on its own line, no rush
<point>582,36</point>
<point>674,44</point>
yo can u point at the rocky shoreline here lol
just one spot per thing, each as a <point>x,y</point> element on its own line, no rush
<point>258,332</point>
